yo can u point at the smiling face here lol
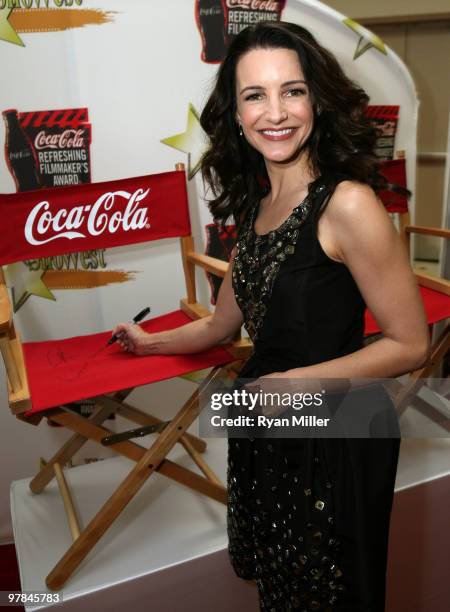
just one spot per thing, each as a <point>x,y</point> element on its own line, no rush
<point>274,105</point>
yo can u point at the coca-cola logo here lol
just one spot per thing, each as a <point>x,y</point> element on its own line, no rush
<point>42,225</point>
<point>261,5</point>
<point>69,139</point>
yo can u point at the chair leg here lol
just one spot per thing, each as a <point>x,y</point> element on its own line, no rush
<point>67,451</point>
<point>416,378</point>
<point>148,463</point>
<point>419,404</point>
<point>200,462</point>
<point>192,445</point>
<point>438,351</point>
<point>135,452</point>
<point>143,418</point>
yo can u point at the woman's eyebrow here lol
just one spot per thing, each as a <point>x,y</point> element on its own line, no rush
<point>283,85</point>
<point>294,82</point>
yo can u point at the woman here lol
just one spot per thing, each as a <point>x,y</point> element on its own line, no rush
<point>291,159</point>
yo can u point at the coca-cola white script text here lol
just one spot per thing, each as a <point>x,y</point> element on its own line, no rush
<point>259,5</point>
<point>69,139</point>
<point>43,226</point>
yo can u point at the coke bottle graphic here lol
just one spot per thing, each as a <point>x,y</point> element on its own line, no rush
<point>19,154</point>
<point>211,21</point>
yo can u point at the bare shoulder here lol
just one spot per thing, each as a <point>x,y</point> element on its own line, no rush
<point>353,202</point>
<point>356,221</point>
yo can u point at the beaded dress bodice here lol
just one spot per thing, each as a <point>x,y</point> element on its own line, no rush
<point>316,312</point>
<point>258,259</point>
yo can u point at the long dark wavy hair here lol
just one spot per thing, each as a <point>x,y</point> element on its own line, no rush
<point>341,143</point>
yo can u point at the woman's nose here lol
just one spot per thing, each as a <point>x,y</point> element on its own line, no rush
<point>276,110</point>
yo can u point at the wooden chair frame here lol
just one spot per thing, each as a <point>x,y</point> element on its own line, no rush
<point>407,394</point>
<point>147,460</point>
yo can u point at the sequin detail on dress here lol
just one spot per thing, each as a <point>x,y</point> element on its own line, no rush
<point>258,258</point>
<point>281,532</point>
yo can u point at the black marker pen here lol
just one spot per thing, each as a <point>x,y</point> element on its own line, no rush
<point>136,319</point>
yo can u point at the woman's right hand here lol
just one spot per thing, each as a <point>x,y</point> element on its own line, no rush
<point>132,338</point>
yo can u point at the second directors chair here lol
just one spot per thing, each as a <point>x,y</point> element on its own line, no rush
<point>435,294</point>
<point>45,378</point>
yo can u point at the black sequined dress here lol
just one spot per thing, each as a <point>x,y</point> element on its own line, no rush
<point>308,518</point>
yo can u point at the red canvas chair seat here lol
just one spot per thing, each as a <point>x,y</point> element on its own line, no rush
<point>436,304</point>
<point>71,369</point>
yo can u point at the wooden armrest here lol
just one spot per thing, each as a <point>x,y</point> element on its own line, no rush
<point>433,282</point>
<point>18,391</point>
<point>430,231</point>
<point>194,310</point>
<point>5,310</point>
<point>241,348</point>
<point>210,264</point>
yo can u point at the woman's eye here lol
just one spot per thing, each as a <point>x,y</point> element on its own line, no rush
<point>297,91</point>
<point>255,96</point>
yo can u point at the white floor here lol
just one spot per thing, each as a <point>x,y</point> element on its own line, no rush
<point>167,535</point>
<point>425,447</point>
<point>165,525</point>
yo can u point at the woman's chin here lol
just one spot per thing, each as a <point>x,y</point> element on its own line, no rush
<point>281,157</point>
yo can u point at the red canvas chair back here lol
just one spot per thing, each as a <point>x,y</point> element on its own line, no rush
<point>47,222</point>
<point>395,173</point>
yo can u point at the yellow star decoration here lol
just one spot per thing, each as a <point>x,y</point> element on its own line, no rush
<point>367,39</point>
<point>7,32</point>
<point>192,141</point>
<point>24,283</point>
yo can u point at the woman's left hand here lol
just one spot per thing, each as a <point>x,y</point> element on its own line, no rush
<point>293,390</point>
<point>267,386</point>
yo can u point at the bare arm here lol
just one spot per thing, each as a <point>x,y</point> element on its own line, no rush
<point>193,337</point>
<point>367,242</point>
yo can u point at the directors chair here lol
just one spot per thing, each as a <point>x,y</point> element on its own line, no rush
<point>45,378</point>
<point>435,294</point>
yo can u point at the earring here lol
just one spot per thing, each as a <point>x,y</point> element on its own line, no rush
<point>240,130</point>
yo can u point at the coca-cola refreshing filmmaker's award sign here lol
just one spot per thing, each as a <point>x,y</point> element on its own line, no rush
<point>48,148</point>
<point>219,21</point>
